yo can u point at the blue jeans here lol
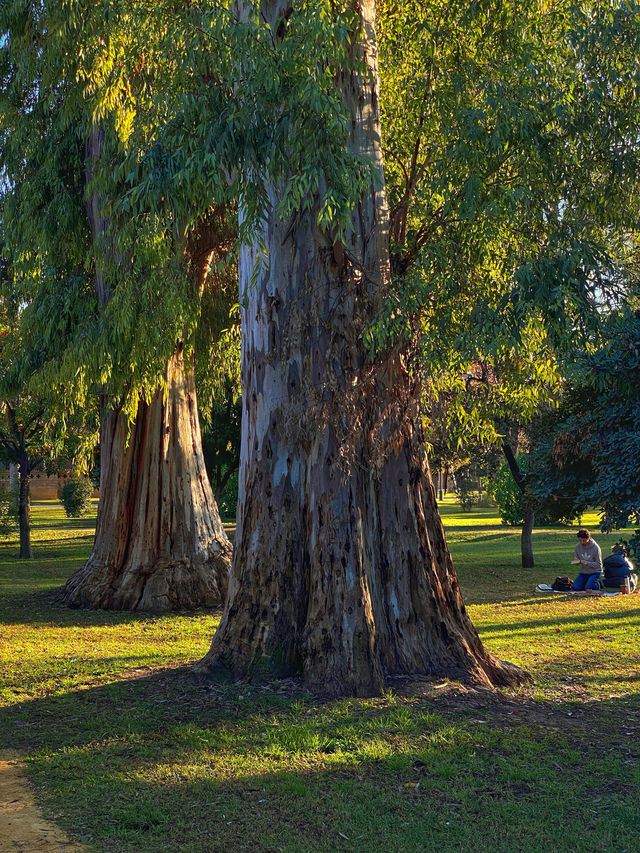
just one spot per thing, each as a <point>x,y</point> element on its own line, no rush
<point>586,581</point>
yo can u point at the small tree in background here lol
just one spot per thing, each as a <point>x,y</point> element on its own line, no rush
<point>494,407</point>
<point>75,496</point>
<point>34,433</point>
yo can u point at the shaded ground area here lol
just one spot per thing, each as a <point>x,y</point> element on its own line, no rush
<point>165,760</point>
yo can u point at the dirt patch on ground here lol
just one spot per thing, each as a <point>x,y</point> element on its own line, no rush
<point>22,826</point>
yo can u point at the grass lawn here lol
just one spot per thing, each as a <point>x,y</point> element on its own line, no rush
<point>129,752</point>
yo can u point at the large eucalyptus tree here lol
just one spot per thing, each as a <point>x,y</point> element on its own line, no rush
<point>341,570</point>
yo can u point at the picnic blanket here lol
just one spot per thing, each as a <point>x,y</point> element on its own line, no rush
<point>546,587</point>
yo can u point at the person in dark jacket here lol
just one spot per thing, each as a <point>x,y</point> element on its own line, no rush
<point>618,568</point>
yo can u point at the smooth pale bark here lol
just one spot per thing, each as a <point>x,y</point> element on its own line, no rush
<point>341,571</point>
<point>159,542</point>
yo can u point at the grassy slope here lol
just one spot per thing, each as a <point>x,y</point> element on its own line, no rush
<point>132,754</point>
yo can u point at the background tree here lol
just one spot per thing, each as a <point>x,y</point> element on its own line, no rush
<point>34,438</point>
<point>590,458</point>
<point>35,434</point>
<point>501,401</point>
<point>159,542</point>
<point>20,439</point>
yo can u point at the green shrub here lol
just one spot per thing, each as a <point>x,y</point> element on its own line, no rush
<point>507,494</point>
<point>75,496</point>
<point>468,488</point>
<point>8,512</point>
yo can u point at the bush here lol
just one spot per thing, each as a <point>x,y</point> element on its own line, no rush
<point>8,512</point>
<point>507,494</point>
<point>75,496</point>
<point>468,488</point>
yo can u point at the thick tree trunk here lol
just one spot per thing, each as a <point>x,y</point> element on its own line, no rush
<point>24,510</point>
<point>159,542</point>
<point>526,540</point>
<point>341,571</point>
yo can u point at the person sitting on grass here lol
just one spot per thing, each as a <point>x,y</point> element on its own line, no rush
<point>589,557</point>
<point>618,569</point>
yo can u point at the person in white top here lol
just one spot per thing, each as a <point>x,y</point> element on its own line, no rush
<point>588,556</point>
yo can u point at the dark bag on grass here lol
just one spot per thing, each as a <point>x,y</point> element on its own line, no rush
<point>562,584</point>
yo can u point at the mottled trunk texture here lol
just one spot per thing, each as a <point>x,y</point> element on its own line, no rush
<point>159,542</point>
<point>341,571</point>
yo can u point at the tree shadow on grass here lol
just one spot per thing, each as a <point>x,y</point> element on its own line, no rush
<point>168,761</point>
<point>41,609</point>
<point>61,557</point>
<point>85,522</point>
<point>498,536</point>
<point>576,619</point>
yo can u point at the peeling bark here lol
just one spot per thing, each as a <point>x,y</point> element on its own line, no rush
<point>159,543</point>
<point>341,571</point>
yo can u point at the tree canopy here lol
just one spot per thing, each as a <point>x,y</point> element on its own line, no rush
<point>592,456</point>
<point>510,134</point>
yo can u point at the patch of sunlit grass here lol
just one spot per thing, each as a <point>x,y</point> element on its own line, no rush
<point>130,753</point>
<point>46,650</point>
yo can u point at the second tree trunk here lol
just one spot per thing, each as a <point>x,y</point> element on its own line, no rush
<point>159,544</point>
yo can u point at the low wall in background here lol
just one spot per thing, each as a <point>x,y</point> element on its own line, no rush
<point>42,487</point>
